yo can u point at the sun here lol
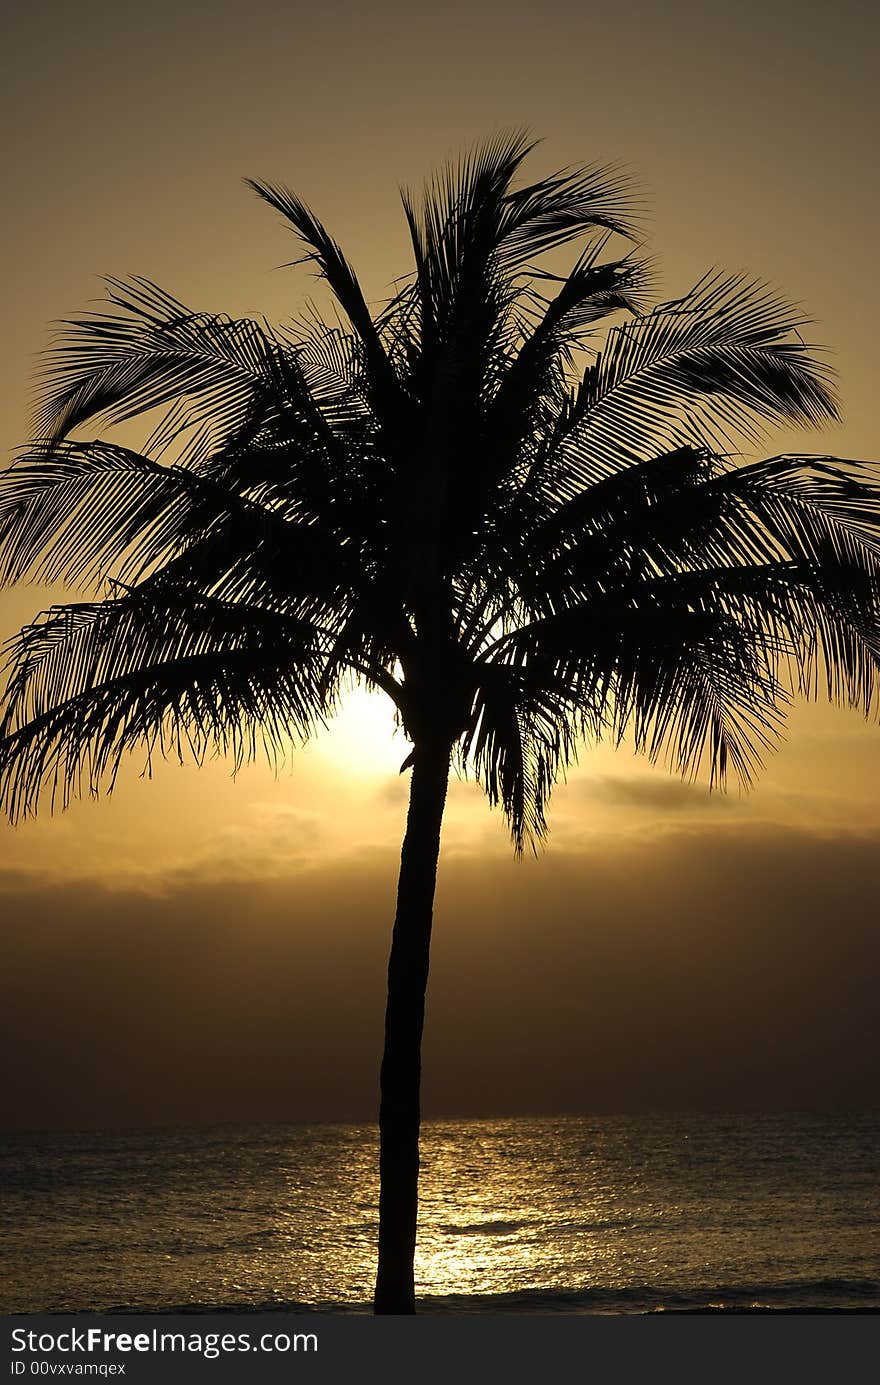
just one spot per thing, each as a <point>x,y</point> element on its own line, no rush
<point>363,737</point>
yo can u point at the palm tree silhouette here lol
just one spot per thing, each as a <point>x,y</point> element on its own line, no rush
<point>524,533</point>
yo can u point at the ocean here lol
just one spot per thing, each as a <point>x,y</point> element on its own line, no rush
<point>569,1214</point>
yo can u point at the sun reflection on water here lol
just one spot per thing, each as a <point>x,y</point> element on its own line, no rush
<point>496,1218</point>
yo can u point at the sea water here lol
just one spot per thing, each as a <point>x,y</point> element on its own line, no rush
<point>569,1214</point>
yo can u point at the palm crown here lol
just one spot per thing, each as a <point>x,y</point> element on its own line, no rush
<point>522,539</point>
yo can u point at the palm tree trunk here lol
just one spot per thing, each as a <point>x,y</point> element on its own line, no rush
<point>399,1113</point>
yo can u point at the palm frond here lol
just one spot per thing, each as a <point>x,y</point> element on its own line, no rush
<point>536,372</point>
<point>524,730</point>
<point>706,369</point>
<point>114,366</point>
<point>333,266</point>
<point>690,683</point>
<point>88,511</point>
<point>565,207</point>
<point>699,666</point>
<point>818,507</point>
<point>92,681</point>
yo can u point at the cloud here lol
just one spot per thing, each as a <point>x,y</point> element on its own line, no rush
<point>271,840</point>
<point>650,794</point>
<point>715,968</point>
<point>393,792</point>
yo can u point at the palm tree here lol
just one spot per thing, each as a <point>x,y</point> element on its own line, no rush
<point>525,533</point>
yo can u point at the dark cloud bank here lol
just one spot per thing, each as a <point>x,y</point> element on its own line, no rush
<point>727,969</point>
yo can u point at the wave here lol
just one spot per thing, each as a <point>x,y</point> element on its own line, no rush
<point>797,1296</point>
<point>483,1228</point>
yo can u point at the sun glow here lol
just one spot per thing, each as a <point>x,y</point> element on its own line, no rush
<point>363,736</point>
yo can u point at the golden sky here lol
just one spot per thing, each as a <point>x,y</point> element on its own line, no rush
<point>208,948</point>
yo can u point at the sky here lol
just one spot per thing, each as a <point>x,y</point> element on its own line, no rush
<point>209,948</point>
